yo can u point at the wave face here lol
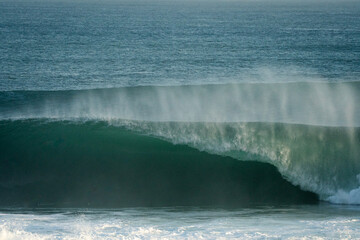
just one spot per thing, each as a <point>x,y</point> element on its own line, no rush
<point>94,164</point>
<point>308,131</point>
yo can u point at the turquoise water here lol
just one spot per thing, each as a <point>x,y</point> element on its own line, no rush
<point>179,119</point>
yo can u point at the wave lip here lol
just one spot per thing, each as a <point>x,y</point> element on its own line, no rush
<point>326,104</point>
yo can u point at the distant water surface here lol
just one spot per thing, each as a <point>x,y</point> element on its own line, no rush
<point>56,45</point>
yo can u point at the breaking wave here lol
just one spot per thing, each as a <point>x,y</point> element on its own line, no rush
<point>308,131</point>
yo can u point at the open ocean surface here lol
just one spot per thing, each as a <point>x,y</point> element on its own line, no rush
<point>179,119</point>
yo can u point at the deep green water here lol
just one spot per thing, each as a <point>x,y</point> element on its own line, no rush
<point>96,165</point>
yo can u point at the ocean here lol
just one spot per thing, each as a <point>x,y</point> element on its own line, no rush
<point>179,119</point>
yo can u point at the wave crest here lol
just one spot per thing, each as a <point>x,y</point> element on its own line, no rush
<point>324,160</point>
